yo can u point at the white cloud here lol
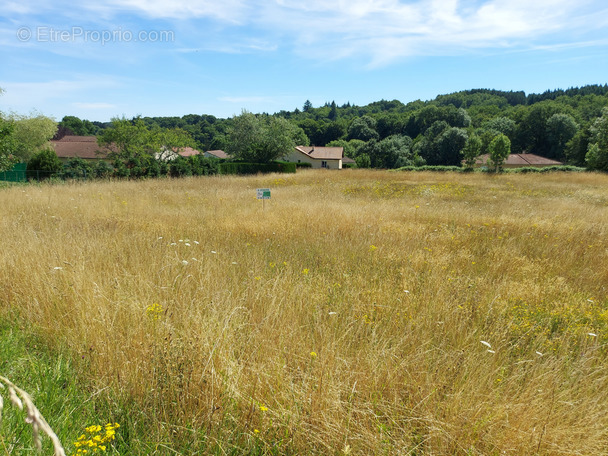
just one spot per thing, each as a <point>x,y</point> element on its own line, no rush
<point>376,31</point>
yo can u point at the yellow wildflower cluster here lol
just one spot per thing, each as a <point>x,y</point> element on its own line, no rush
<point>155,311</point>
<point>96,438</point>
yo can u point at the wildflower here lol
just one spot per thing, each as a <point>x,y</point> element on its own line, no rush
<point>487,344</point>
<point>213,251</point>
<point>313,354</point>
<point>187,244</point>
<point>372,248</point>
<point>406,291</point>
<point>333,313</point>
<point>491,351</point>
<point>184,262</point>
<point>271,264</point>
<point>154,311</point>
<point>258,278</point>
<point>305,271</point>
<point>196,242</point>
<point>256,431</point>
<point>592,334</point>
<point>57,268</point>
<point>263,408</point>
<point>539,353</point>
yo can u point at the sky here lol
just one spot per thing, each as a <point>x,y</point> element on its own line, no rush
<point>102,59</point>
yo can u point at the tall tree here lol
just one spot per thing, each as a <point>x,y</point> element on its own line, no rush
<point>32,134</point>
<point>597,153</point>
<point>261,140</point>
<point>561,128</point>
<point>471,150</point>
<point>499,149</point>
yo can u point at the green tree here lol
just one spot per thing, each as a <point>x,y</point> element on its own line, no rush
<point>561,128</point>
<point>363,128</point>
<point>44,164</point>
<point>31,134</point>
<point>74,126</point>
<point>499,150</point>
<point>7,147</point>
<point>261,139</point>
<point>597,152</point>
<point>471,150</point>
<point>138,149</point>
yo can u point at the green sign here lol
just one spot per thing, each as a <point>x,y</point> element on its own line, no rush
<point>263,193</point>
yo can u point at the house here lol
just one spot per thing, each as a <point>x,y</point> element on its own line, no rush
<point>84,147</point>
<point>318,157</point>
<point>168,155</point>
<point>519,161</point>
<point>216,154</point>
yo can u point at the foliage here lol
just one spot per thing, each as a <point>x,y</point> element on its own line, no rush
<point>597,154</point>
<point>561,128</point>
<point>7,146</point>
<point>71,125</point>
<point>499,150</point>
<point>255,168</point>
<point>44,164</point>
<point>77,168</point>
<point>139,148</point>
<point>31,134</point>
<point>261,139</point>
<point>471,150</point>
<point>363,128</point>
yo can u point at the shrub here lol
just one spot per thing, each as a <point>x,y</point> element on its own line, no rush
<point>180,167</point>
<point>77,168</point>
<point>254,168</point>
<point>44,165</point>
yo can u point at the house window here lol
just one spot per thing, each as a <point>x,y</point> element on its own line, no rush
<point>323,164</point>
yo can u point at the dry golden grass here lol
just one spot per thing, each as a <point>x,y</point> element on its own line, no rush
<point>346,317</point>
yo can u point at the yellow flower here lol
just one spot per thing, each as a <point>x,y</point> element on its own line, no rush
<point>372,248</point>
<point>313,354</point>
<point>263,409</point>
<point>256,431</point>
<point>305,271</point>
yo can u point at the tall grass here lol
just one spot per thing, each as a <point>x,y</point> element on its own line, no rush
<point>346,317</point>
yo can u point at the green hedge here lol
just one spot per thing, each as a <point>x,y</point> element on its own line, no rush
<point>254,168</point>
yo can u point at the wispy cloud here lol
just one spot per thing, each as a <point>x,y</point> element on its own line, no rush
<point>376,31</point>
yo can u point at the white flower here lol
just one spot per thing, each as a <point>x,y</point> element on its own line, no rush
<point>181,240</point>
<point>487,344</point>
<point>539,353</point>
<point>491,351</point>
<point>57,268</point>
<point>196,242</point>
<point>592,334</point>
<point>333,313</point>
<point>184,262</point>
<point>186,244</point>
<point>173,243</point>
<point>160,237</point>
<point>406,291</point>
<point>234,262</point>
<point>213,251</point>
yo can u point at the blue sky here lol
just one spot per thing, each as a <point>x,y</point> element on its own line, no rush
<point>101,59</point>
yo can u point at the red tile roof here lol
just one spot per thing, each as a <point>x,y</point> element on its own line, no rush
<point>79,146</point>
<point>188,152</point>
<point>218,153</point>
<point>322,153</point>
<point>521,160</point>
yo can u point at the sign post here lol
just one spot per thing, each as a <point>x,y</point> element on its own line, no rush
<point>263,194</point>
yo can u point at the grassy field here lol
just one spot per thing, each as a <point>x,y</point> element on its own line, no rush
<point>359,312</point>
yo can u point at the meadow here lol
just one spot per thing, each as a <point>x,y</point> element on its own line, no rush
<point>357,312</point>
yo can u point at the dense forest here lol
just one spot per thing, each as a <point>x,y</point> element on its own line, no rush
<point>558,124</point>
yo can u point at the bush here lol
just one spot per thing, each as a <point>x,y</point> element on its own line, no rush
<point>180,167</point>
<point>254,168</point>
<point>303,165</point>
<point>77,168</point>
<point>103,170</point>
<point>203,166</point>
<point>44,165</point>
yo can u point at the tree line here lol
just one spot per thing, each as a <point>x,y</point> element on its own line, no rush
<point>566,125</point>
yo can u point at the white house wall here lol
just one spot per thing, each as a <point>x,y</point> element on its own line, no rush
<point>298,157</point>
